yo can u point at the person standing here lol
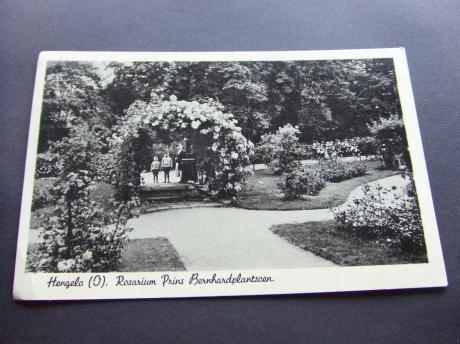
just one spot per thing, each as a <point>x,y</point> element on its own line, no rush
<point>166,165</point>
<point>180,155</point>
<point>155,168</point>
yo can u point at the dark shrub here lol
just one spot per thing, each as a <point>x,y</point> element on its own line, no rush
<point>299,182</point>
<point>336,170</point>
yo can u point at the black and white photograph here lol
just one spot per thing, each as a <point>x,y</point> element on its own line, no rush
<point>208,174</point>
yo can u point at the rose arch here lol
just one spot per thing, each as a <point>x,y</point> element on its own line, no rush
<point>222,151</point>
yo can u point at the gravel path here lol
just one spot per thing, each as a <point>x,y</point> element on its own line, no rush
<point>230,238</point>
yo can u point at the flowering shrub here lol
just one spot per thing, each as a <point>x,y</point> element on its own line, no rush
<point>356,146</point>
<point>390,138</point>
<point>80,235</point>
<point>46,165</point>
<point>224,150</point>
<point>382,214</point>
<point>280,150</point>
<point>336,170</point>
<point>334,149</point>
<point>299,182</point>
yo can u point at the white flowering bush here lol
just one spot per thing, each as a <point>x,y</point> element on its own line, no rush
<point>46,165</point>
<point>223,152</point>
<point>335,149</point>
<point>80,235</point>
<point>385,215</point>
<point>355,146</point>
<point>280,150</point>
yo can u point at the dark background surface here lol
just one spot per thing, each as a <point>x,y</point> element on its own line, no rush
<point>429,32</point>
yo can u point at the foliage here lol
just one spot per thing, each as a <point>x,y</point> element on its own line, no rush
<point>223,151</point>
<point>331,99</point>
<point>72,95</point>
<point>280,150</point>
<point>299,182</point>
<point>367,145</point>
<point>46,165</point>
<point>386,215</point>
<point>391,141</point>
<point>81,236</point>
<point>336,170</point>
<point>79,150</point>
<point>42,196</point>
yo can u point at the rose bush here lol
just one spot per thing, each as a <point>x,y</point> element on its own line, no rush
<point>356,146</point>
<point>381,215</point>
<point>281,150</point>
<point>46,165</point>
<point>80,235</point>
<point>299,182</point>
<point>336,170</point>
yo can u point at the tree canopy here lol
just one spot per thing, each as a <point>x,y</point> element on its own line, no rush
<point>326,99</point>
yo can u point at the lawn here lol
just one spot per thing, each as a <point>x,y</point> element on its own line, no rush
<point>153,254</point>
<point>345,249</point>
<point>261,191</point>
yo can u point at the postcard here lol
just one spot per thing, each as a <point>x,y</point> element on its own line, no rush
<point>164,175</point>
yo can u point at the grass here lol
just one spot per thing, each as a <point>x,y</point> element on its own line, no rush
<point>345,249</point>
<point>261,191</point>
<point>152,254</point>
<point>146,255</point>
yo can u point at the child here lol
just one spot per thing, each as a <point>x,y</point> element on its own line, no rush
<point>155,168</point>
<point>166,165</point>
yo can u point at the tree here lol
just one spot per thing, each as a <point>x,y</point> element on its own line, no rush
<point>327,99</point>
<point>72,95</point>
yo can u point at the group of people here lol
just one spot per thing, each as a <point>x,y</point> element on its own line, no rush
<point>184,163</point>
<point>166,165</point>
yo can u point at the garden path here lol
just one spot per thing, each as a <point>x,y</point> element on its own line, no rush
<point>232,238</point>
